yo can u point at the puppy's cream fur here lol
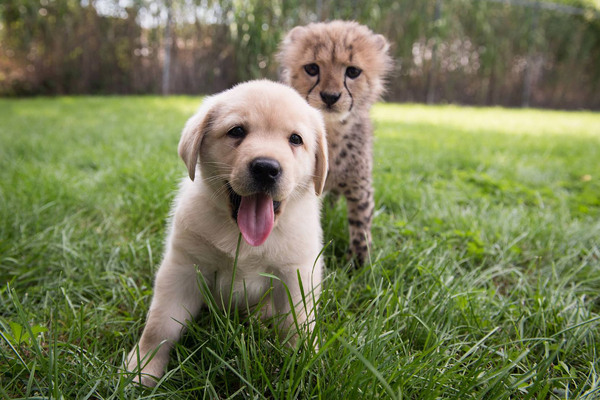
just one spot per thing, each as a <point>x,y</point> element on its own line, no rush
<point>203,234</point>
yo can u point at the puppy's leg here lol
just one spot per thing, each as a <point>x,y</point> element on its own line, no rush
<point>361,205</point>
<point>177,298</point>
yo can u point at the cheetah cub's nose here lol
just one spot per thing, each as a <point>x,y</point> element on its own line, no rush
<point>330,98</point>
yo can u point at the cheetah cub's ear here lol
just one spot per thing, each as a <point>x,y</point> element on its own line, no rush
<point>382,43</point>
<point>295,34</point>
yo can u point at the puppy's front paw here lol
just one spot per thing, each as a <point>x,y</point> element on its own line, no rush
<point>145,380</point>
<point>148,368</point>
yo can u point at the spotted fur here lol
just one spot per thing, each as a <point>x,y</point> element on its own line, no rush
<point>336,47</point>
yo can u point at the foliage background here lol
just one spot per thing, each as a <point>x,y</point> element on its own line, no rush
<point>485,52</point>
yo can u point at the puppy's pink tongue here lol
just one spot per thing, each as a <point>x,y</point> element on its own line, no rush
<point>256,218</point>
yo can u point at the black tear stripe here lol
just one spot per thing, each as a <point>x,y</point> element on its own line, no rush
<point>349,94</point>
<point>314,86</point>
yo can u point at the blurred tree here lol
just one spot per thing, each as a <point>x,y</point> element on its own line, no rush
<point>504,52</point>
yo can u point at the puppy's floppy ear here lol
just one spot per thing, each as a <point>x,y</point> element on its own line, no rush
<point>192,134</point>
<point>321,164</point>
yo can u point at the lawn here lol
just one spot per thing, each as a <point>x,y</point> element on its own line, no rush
<point>484,279</point>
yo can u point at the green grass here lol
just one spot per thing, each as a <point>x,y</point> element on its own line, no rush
<point>484,281</point>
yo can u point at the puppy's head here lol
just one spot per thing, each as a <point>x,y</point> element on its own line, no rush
<point>258,146</point>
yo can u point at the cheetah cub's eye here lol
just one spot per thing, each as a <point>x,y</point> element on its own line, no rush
<point>353,72</point>
<point>312,69</point>
<point>296,139</point>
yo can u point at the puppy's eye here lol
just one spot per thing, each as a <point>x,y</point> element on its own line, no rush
<point>312,69</point>
<point>296,139</point>
<point>353,72</point>
<point>237,132</point>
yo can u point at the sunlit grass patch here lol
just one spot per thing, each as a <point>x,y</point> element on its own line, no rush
<point>484,281</point>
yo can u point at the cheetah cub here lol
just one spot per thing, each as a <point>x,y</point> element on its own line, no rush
<point>340,68</point>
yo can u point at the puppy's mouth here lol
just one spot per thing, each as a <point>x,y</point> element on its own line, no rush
<point>254,215</point>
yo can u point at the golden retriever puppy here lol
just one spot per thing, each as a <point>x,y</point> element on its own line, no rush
<point>257,161</point>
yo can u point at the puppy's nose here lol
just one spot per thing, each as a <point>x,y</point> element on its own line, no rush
<point>265,170</point>
<point>330,98</point>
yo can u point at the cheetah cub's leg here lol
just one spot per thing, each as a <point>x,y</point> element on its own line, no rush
<point>361,205</point>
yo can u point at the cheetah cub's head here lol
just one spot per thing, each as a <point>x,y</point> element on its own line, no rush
<point>339,66</point>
